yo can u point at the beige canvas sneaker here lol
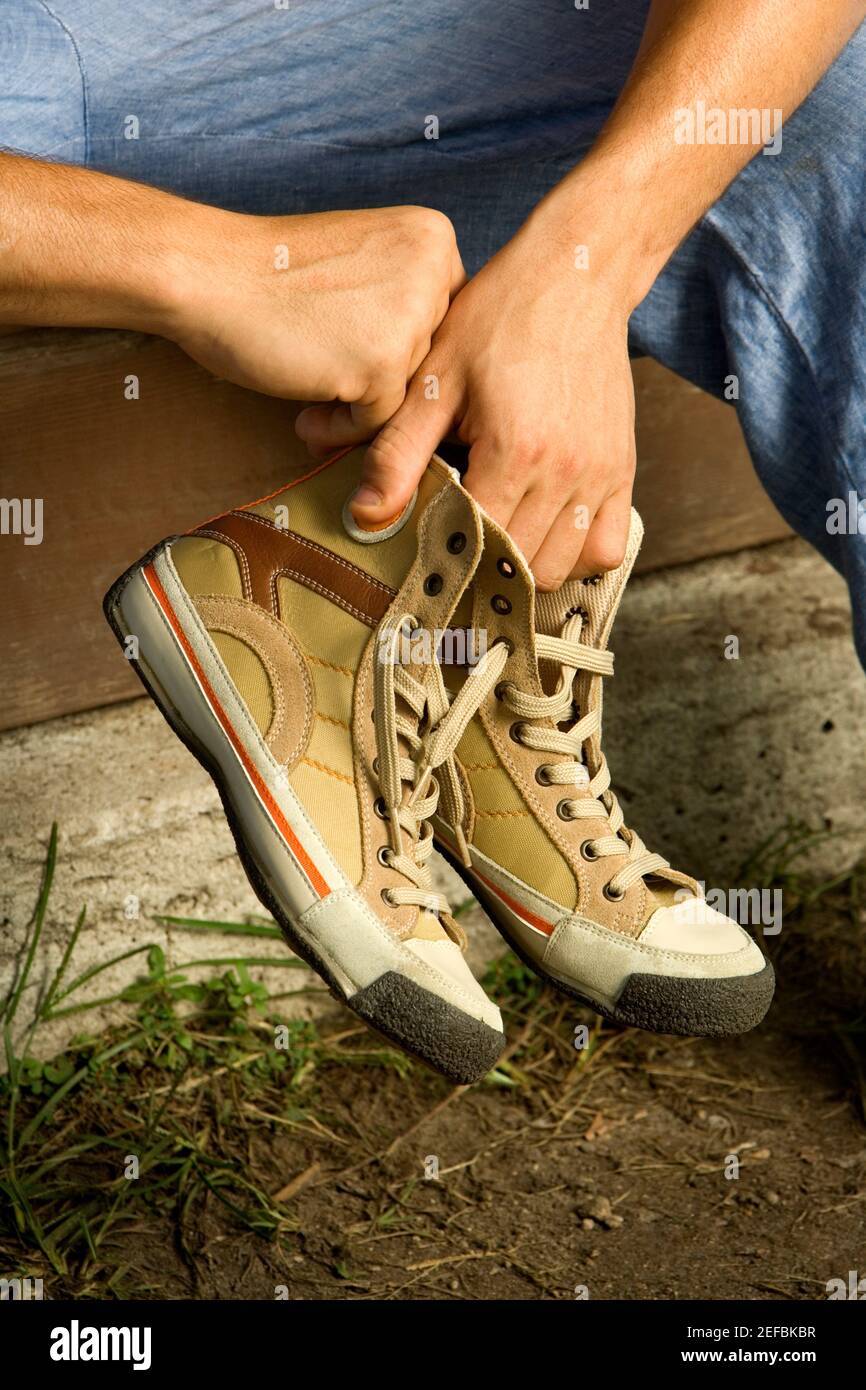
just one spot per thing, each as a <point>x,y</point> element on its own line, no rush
<point>542,842</point>
<point>276,642</point>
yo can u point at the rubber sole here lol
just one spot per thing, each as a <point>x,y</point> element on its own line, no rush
<point>430,1029</point>
<point>684,1007</point>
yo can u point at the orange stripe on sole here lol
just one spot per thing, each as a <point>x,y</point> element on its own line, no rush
<point>317,883</point>
<point>528,917</point>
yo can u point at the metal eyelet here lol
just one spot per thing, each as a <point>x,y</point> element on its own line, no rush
<point>455,543</point>
<point>383,854</point>
<point>500,604</point>
<point>506,643</point>
<point>563,810</point>
<point>387,899</point>
<point>542,775</point>
<point>433,584</point>
<point>506,568</point>
<point>375,767</point>
<point>612,895</point>
<point>500,689</point>
<point>587,851</point>
<point>515,730</point>
<point>380,808</point>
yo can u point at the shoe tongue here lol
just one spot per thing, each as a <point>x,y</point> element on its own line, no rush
<point>599,597</point>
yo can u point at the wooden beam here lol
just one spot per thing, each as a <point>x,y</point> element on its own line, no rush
<point>118,473</point>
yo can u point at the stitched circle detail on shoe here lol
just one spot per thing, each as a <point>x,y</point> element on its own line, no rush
<point>358,533</point>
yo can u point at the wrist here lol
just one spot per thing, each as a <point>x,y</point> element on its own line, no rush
<point>604,223</point>
<point>87,250</point>
<point>180,269</point>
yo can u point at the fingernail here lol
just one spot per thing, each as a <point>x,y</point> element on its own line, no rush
<point>367,496</point>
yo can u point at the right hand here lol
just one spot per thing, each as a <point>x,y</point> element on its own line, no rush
<point>349,319</point>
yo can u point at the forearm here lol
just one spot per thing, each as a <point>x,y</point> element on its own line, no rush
<point>82,248</point>
<point>642,187</point>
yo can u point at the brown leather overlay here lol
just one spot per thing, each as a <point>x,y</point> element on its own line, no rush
<point>266,552</point>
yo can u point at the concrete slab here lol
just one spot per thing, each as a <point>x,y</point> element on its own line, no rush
<point>710,756</point>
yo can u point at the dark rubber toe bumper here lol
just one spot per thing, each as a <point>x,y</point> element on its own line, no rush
<point>696,1008</point>
<point>460,1047</point>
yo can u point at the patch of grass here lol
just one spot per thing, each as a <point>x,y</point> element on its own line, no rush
<point>153,1116</point>
<point>511,982</point>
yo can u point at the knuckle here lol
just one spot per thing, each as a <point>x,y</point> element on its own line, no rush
<point>432,225</point>
<point>388,450</point>
<point>525,452</point>
<point>562,471</point>
<point>350,389</point>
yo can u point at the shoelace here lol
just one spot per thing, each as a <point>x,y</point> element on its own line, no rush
<point>408,817</point>
<point>597,800</point>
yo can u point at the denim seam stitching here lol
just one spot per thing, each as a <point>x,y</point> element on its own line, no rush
<point>70,36</point>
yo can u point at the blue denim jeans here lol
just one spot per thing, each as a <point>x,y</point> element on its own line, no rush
<point>327,104</point>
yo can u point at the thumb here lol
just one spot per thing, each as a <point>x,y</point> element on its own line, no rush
<point>398,456</point>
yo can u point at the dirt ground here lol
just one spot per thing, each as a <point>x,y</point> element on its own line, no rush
<point>608,1175</point>
<point>637,1168</point>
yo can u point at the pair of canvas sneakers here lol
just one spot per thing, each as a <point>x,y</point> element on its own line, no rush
<point>305,663</point>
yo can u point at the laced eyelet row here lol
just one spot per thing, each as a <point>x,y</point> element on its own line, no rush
<point>564,808</point>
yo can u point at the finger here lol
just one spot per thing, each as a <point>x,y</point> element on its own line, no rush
<point>531,522</point>
<point>606,541</point>
<point>559,554</point>
<point>399,454</point>
<point>324,428</point>
<point>496,480</point>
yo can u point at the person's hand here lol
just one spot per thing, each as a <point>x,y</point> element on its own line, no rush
<point>532,371</point>
<point>337,306</point>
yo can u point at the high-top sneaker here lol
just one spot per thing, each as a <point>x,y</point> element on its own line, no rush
<point>542,842</point>
<point>282,645</point>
